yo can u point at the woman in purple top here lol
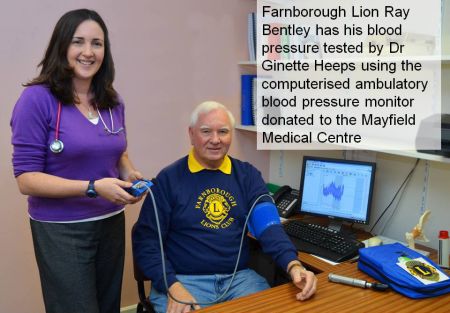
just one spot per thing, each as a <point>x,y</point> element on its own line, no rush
<point>70,157</point>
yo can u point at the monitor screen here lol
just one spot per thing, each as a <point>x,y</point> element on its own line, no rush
<point>338,189</point>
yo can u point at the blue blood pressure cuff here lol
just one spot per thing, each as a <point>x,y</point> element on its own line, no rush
<point>264,214</point>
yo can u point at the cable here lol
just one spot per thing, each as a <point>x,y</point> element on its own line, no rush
<point>237,261</point>
<point>399,197</point>
<point>396,193</point>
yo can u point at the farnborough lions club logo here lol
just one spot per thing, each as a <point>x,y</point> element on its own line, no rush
<point>216,208</point>
<point>216,204</point>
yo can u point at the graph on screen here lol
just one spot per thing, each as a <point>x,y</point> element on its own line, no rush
<point>339,189</point>
<point>333,189</point>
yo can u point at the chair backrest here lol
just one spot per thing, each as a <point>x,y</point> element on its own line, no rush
<point>144,304</point>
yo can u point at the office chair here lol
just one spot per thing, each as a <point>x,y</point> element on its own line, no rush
<point>144,304</point>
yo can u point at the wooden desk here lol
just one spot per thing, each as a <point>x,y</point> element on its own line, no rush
<point>331,297</point>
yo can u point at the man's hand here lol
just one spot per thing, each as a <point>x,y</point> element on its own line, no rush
<point>178,291</point>
<point>303,279</point>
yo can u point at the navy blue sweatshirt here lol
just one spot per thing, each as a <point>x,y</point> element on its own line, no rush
<point>202,215</point>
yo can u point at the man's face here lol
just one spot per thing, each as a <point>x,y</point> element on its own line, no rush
<point>211,138</point>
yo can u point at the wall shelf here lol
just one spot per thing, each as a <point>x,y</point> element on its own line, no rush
<point>407,153</point>
<point>417,155</point>
<point>250,128</point>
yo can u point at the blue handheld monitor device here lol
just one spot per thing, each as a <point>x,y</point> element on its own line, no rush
<point>139,187</point>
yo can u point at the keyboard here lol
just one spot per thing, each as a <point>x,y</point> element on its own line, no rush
<point>322,241</point>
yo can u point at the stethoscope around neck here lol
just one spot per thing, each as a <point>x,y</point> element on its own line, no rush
<point>57,146</point>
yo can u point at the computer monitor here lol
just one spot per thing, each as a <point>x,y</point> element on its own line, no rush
<point>338,189</point>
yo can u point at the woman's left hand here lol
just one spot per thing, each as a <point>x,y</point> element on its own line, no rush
<point>129,173</point>
<point>134,175</point>
<point>113,189</point>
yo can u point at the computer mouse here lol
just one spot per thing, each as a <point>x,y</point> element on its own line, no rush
<point>374,241</point>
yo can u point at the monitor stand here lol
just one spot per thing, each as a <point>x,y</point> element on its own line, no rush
<point>335,225</point>
<point>338,226</point>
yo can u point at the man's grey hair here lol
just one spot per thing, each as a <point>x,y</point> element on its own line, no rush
<point>208,106</point>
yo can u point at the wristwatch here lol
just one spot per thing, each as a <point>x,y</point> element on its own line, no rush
<point>90,191</point>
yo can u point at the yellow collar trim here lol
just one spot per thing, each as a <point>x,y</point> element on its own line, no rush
<point>195,166</point>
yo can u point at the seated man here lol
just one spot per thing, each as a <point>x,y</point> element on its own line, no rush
<point>202,201</point>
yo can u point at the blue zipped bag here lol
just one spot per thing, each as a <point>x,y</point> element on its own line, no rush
<point>418,278</point>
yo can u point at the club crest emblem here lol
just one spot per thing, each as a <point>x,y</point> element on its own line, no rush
<point>422,270</point>
<point>216,208</point>
<point>216,204</point>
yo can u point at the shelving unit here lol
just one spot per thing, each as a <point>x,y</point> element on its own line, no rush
<point>250,67</point>
<point>429,192</point>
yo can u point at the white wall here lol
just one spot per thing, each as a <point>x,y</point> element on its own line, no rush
<point>169,56</point>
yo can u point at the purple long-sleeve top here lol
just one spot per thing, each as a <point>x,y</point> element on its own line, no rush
<point>89,152</point>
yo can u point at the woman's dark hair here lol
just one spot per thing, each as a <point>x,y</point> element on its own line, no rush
<point>55,69</point>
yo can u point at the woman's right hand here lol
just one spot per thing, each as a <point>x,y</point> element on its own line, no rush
<point>112,189</point>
